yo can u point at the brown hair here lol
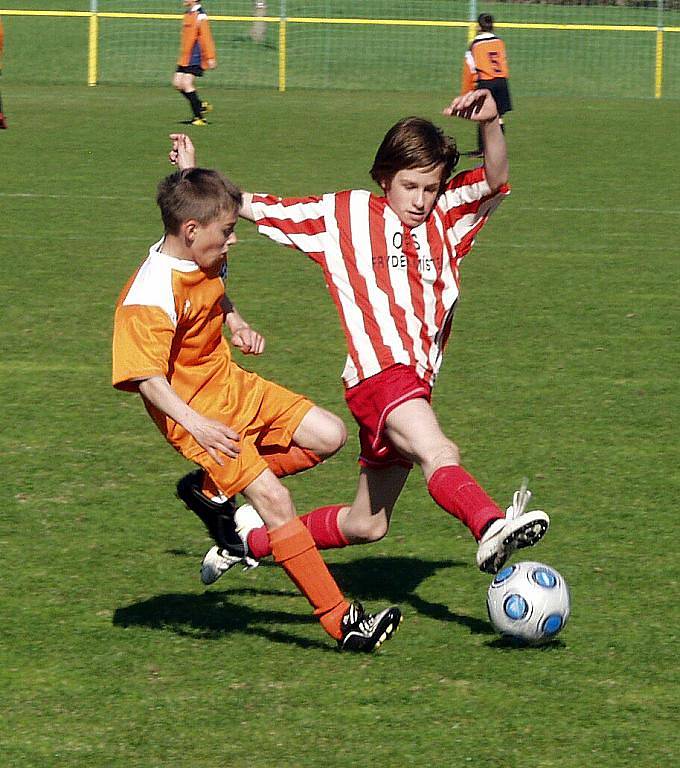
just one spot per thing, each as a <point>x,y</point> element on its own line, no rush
<point>195,193</point>
<point>485,21</point>
<point>413,142</point>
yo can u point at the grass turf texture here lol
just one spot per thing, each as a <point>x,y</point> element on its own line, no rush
<point>562,366</point>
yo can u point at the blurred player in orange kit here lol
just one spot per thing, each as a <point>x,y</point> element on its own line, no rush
<point>486,66</point>
<point>197,53</point>
<point>241,429</point>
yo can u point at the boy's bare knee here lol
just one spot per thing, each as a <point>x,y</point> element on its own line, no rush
<point>330,435</point>
<point>367,531</point>
<point>273,503</point>
<point>334,438</point>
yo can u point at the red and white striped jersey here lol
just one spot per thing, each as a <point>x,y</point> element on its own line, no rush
<point>395,288</point>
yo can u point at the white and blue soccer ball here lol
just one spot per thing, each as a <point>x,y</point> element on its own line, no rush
<point>528,602</point>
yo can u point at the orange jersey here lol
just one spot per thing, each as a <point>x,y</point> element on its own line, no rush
<point>197,46</point>
<point>485,59</point>
<point>2,40</point>
<point>168,322</point>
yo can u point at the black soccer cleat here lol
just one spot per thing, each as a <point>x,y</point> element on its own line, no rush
<point>218,517</point>
<point>364,632</point>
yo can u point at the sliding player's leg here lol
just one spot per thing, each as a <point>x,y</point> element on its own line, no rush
<point>294,549</point>
<point>366,520</point>
<point>414,430</point>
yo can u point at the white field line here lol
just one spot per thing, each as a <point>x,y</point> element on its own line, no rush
<point>547,208</point>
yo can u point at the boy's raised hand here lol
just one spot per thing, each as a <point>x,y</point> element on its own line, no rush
<point>183,152</point>
<point>476,105</point>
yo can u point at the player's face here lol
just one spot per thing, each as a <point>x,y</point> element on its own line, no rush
<point>211,242</point>
<point>413,192</point>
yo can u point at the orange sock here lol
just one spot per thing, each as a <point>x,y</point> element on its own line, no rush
<point>290,461</point>
<point>294,549</point>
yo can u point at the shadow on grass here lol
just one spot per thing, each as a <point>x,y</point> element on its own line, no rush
<point>510,644</point>
<point>212,614</point>
<point>396,579</point>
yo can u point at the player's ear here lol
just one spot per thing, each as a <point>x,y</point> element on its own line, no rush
<point>189,229</point>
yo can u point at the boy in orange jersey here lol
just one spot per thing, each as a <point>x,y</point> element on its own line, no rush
<point>197,53</point>
<point>486,66</point>
<point>3,121</point>
<point>168,346</point>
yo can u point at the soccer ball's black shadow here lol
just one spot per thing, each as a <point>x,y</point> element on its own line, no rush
<point>504,643</point>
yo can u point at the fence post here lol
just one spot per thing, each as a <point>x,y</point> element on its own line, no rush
<point>92,48</point>
<point>472,27</point>
<point>282,46</point>
<point>658,69</point>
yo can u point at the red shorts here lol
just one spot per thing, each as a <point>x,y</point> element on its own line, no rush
<point>372,400</point>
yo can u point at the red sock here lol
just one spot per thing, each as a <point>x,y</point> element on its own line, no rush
<point>460,495</point>
<point>322,523</point>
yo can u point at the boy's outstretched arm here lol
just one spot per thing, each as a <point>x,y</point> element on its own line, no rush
<point>480,107</point>
<point>183,155</point>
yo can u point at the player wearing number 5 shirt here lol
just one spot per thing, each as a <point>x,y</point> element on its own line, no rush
<point>486,66</point>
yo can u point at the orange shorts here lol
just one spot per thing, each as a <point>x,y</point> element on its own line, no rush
<point>271,423</point>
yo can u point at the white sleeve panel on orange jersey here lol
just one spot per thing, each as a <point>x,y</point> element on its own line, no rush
<point>145,320</point>
<point>152,287</point>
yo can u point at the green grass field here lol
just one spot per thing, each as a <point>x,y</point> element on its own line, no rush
<point>562,366</point>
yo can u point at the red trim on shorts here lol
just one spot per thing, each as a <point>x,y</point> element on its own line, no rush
<point>412,395</point>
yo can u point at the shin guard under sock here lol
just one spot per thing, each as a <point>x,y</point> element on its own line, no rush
<point>294,549</point>
<point>460,495</point>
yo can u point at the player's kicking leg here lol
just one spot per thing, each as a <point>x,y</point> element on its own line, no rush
<point>518,529</point>
<point>319,435</point>
<point>413,428</point>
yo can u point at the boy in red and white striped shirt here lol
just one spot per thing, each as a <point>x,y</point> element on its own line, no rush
<point>391,264</point>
